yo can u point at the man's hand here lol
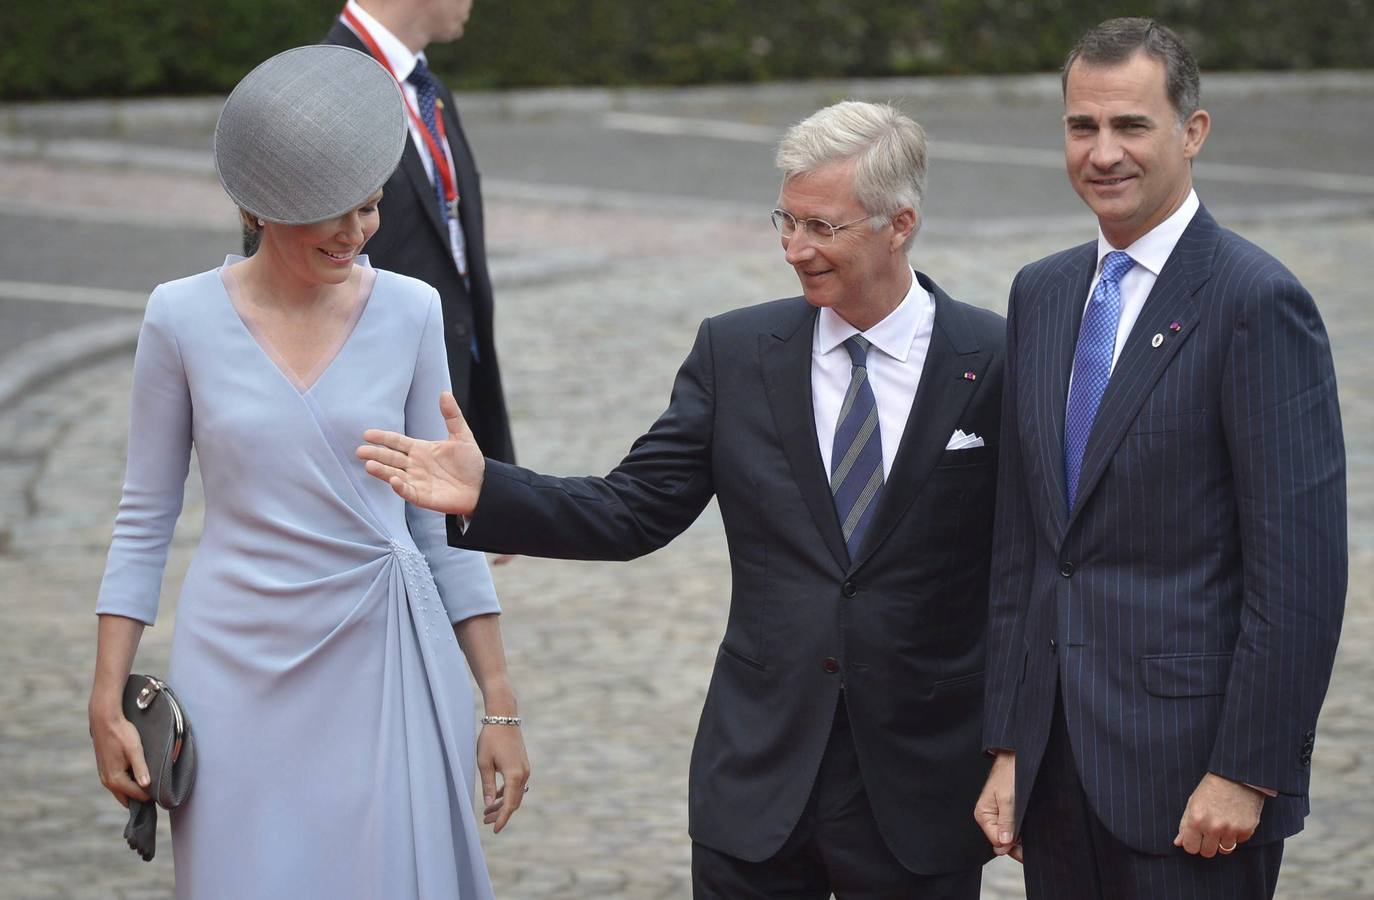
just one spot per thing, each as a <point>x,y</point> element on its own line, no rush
<point>996,807</point>
<point>1221,814</point>
<point>445,476</point>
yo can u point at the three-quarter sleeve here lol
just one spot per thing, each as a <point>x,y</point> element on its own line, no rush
<point>463,577</point>
<point>155,476</point>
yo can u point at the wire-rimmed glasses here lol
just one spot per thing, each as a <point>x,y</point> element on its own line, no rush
<point>818,230</point>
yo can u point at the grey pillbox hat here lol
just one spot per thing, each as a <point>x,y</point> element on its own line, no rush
<point>310,134</point>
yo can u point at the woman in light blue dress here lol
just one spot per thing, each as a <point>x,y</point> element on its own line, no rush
<point>324,625</point>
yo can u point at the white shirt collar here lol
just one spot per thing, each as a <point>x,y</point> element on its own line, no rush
<point>397,54</point>
<point>1152,248</point>
<point>893,335</point>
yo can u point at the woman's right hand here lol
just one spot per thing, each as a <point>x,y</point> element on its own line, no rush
<point>118,753</point>
<point>118,750</point>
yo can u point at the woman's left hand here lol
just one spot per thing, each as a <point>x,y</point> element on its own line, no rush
<point>501,749</point>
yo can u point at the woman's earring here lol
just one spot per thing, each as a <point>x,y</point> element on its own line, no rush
<point>261,223</point>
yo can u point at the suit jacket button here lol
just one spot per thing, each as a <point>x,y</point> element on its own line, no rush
<point>1066,570</point>
<point>830,664</point>
<point>849,589</point>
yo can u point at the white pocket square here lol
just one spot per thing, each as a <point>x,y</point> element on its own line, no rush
<point>961,441</point>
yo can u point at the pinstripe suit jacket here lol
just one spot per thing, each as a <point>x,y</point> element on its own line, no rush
<point>1188,607</point>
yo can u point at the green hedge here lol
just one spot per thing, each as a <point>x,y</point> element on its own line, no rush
<point>83,48</point>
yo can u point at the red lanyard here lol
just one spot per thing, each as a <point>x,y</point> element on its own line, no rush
<point>436,152</point>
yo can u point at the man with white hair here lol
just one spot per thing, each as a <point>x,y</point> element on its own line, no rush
<point>848,435</point>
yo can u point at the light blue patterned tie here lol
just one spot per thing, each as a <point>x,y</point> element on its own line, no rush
<point>856,458</point>
<point>1092,365</point>
<point>427,93</point>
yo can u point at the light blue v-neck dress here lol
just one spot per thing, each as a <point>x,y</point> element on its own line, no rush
<point>313,646</point>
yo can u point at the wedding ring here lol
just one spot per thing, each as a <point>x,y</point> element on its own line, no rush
<point>1226,849</point>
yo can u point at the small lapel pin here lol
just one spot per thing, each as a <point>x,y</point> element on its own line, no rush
<point>1175,327</point>
<point>970,376</point>
<point>1157,340</point>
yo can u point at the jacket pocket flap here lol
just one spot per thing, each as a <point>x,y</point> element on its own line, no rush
<point>958,681</point>
<point>1185,674</point>
<point>1166,422</point>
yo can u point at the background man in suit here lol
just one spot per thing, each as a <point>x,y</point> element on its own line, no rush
<point>431,208</point>
<point>1169,570</point>
<point>842,434</point>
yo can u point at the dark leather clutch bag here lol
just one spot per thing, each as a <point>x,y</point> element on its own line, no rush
<point>169,751</point>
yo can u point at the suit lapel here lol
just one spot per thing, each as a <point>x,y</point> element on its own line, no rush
<point>785,356</point>
<point>414,170</point>
<point>1063,314</point>
<point>941,397</point>
<point>1142,363</point>
<point>465,171</point>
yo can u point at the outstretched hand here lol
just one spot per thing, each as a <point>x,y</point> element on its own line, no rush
<point>445,476</point>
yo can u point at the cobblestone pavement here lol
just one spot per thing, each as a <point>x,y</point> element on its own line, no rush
<point>611,660</point>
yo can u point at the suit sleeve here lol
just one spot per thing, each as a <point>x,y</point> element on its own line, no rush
<point>1282,424</point>
<point>658,489</point>
<point>462,576</point>
<point>1013,560</point>
<point>155,475</point>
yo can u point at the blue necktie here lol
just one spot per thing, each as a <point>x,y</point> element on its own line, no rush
<point>427,92</point>
<point>1092,365</point>
<point>856,458</point>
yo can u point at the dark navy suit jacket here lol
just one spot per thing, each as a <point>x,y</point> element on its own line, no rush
<point>414,241</point>
<point>1188,607</point>
<point>900,626</point>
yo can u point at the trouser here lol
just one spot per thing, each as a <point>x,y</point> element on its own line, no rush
<point>1070,854</point>
<point>835,848</point>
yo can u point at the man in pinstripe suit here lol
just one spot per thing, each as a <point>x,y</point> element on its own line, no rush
<point>1169,569</point>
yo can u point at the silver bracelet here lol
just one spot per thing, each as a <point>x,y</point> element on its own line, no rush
<point>500,720</point>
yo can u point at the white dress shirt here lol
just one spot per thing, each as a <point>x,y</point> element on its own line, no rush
<point>1150,252</point>
<point>402,63</point>
<point>900,342</point>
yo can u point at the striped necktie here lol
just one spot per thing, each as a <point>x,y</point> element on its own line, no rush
<point>1092,365</point>
<point>856,460</point>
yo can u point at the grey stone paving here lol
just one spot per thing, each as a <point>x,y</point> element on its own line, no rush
<point>611,660</point>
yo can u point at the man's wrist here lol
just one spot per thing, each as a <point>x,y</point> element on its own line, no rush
<point>1262,791</point>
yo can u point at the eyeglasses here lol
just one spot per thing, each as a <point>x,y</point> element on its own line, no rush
<point>819,230</point>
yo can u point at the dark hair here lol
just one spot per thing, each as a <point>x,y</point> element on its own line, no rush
<point>1116,40</point>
